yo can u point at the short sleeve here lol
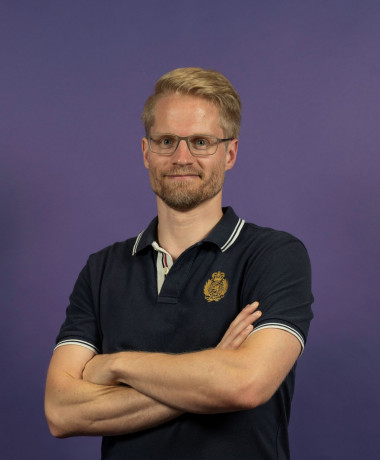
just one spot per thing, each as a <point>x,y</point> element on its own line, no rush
<point>281,283</point>
<point>81,326</point>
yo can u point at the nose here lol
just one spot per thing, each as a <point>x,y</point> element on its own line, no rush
<point>182,155</point>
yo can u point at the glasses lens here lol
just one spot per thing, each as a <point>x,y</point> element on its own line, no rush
<point>203,145</point>
<point>165,145</point>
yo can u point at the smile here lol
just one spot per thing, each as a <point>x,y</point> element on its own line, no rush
<point>182,176</point>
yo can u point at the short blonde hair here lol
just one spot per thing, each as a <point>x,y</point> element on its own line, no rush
<point>195,81</point>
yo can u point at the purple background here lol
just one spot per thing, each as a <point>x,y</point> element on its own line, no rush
<point>74,77</point>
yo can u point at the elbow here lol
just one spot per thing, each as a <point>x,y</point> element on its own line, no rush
<point>57,432</point>
<point>249,399</point>
<point>242,400</point>
<point>56,421</point>
<point>246,395</point>
<point>55,428</point>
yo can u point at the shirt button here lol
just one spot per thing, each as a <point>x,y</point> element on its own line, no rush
<point>166,270</point>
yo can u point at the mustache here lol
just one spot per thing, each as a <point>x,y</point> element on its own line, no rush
<point>182,171</point>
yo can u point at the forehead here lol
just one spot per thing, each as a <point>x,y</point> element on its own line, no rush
<point>185,114</point>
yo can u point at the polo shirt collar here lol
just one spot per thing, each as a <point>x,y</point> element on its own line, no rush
<point>223,235</point>
<point>146,237</point>
<point>227,230</point>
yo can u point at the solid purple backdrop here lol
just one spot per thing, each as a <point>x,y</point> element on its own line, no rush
<point>73,79</point>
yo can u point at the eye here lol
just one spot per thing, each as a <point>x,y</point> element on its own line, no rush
<point>166,141</point>
<point>200,143</point>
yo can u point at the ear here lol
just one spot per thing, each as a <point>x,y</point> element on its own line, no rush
<point>145,151</point>
<point>231,154</point>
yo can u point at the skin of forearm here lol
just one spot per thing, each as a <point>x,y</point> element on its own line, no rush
<point>75,407</point>
<point>209,381</point>
<point>196,382</point>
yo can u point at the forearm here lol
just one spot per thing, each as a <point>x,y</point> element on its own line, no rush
<point>82,399</point>
<point>209,381</point>
<point>205,382</point>
<point>74,407</point>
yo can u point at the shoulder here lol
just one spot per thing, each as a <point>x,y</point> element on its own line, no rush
<point>278,275</point>
<point>118,251</point>
<point>262,241</point>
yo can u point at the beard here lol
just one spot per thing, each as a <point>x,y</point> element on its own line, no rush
<point>186,194</point>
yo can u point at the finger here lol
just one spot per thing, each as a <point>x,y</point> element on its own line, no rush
<point>242,336</point>
<point>247,316</point>
<point>244,323</point>
<point>238,332</point>
<point>234,342</point>
<point>246,311</point>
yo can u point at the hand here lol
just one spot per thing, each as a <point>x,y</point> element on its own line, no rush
<point>240,328</point>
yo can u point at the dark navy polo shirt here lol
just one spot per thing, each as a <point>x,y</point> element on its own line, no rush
<point>117,304</point>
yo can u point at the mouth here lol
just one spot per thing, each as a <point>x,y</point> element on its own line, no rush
<point>182,175</point>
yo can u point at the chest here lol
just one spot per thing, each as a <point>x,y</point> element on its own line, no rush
<point>199,298</point>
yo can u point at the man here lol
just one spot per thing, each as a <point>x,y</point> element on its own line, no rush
<point>142,357</point>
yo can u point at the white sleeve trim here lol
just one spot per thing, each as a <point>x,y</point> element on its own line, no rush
<point>81,343</point>
<point>283,327</point>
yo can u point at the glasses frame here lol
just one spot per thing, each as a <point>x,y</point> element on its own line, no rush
<point>186,139</point>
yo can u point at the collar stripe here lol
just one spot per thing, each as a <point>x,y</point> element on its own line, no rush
<point>236,232</point>
<point>137,243</point>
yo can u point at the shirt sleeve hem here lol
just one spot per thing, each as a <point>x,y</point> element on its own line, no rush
<point>81,343</point>
<point>283,327</point>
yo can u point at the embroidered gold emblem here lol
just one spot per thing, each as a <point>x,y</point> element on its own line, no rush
<point>216,287</point>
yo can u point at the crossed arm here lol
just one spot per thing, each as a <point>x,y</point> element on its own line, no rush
<point>79,400</point>
<point>209,381</point>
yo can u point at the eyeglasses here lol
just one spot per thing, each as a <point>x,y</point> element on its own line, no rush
<point>199,145</point>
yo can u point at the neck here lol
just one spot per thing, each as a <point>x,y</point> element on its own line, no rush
<point>178,230</point>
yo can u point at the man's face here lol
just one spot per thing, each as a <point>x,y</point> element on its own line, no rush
<point>181,180</point>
